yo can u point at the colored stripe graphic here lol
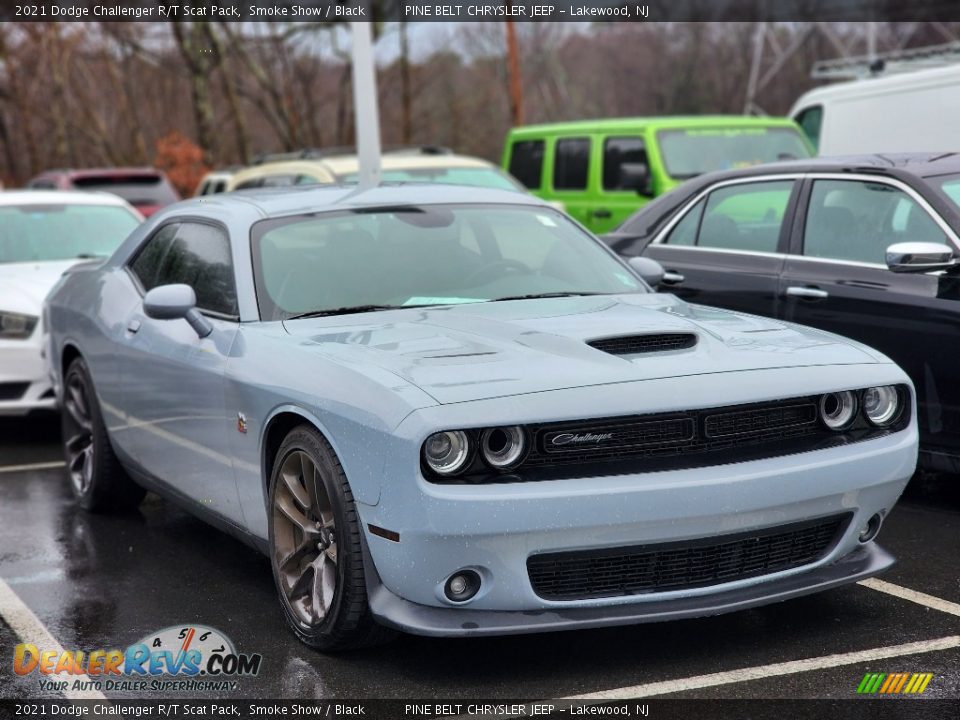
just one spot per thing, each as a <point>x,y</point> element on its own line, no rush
<point>894,683</point>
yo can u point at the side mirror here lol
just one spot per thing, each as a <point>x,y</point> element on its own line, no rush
<point>920,257</point>
<point>650,270</point>
<point>173,302</point>
<point>636,176</point>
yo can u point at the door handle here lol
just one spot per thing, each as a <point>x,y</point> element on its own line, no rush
<point>807,293</point>
<point>133,327</point>
<point>602,213</point>
<point>672,278</point>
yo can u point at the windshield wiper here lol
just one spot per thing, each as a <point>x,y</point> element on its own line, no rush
<point>344,311</point>
<point>539,296</point>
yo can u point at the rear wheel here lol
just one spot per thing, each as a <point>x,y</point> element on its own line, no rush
<point>96,478</point>
<point>315,547</point>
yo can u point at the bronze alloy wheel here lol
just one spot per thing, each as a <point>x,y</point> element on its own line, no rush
<point>78,435</point>
<point>316,547</point>
<point>304,539</point>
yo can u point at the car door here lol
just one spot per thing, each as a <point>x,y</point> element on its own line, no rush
<point>725,247</point>
<point>174,380</point>
<point>617,200</point>
<point>836,279</point>
<point>570,178</point>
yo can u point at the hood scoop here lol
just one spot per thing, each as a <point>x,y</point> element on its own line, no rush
<point>637,344</point>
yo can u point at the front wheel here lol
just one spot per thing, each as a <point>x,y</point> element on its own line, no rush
<point>98,482</point>
<point>315,547</point>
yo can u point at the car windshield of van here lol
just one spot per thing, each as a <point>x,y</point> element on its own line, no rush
<point>477,177</point>
<point>421,255</point>
<point>35,233</point>
<point>692,152</point>
<point>950,186</point>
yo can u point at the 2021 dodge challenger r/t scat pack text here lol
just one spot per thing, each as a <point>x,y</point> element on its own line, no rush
<point>453,411</point>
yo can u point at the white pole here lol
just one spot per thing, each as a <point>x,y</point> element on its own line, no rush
<point>367,116</point>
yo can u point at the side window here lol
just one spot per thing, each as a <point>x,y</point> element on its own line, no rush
<point>526,163</point>
<point>857,220</point>
<point>146,264</point>
<point>571,161</point>
<point>745,217</point>
<point>199,256</point>
<point>810,121</point>
<point>685,231</point>
<point>43,185</point>
<point>248,184</point>
<point>619,154</point>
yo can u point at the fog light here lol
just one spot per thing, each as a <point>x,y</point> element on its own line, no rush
<point>462,585</point>
<point>881,404</point>
<point>870,530</point>
<point>837,410</point>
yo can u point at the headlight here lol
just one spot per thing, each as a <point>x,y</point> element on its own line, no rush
<point>881,404</point>
<point>838,410</point>
<point>447,453</point>
<point>14,326</point>
<point>503,447</point>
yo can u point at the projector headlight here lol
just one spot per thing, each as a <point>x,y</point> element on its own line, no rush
<point>447,453</point>
<point>881,405</point>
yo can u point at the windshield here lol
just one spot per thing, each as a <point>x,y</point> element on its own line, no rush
<point>688,153</point>
<point>950,186</point>
<point>135,189</point>
<point>427,255</point>
<point>30,233</point>
<point>477,177</point>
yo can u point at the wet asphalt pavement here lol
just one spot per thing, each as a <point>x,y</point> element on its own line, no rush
<point>106,581</point>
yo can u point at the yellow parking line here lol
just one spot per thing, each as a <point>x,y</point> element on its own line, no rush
<point>32,466</point>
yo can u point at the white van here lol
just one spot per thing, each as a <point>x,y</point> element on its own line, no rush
<point>909,112</point>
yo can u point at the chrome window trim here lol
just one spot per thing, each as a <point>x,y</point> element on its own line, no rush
<point>861,177</point>
<point>661,236</point>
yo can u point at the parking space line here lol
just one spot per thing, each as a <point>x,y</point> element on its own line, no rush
<point>930,601</point>
<point>33,466</point>
<point>760,672</point>
<point>27,626</point>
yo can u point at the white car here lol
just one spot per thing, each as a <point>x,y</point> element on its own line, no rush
<point>42,233</point>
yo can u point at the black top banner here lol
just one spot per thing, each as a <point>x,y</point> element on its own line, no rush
<point>331,11</point>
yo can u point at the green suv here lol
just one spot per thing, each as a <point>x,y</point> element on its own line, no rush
<point>603,170</point>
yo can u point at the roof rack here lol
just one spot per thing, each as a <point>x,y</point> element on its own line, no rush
<point>889,63</point>
<point>321,153</point>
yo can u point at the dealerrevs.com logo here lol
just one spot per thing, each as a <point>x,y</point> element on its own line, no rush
<point>180,657</point>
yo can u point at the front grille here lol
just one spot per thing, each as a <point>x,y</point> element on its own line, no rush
<point>663,567</point>
<point>12,391</point>
<point>675,434</point>
<point>636,344</point>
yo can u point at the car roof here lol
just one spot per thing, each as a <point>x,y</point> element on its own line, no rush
<point>104,172</point>
<point>348,164</point>
<point>879,85</point>
<point>919,164</point>
<point>300,199</point>
<point>630,124</point>
<point>61,197</point>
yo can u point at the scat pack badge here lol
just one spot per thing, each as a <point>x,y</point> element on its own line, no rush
<point>179,657</point>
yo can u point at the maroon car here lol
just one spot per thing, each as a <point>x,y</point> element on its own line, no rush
<point>146,189</point>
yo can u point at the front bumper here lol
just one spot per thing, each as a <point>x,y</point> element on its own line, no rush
<point>22,364</point>
<point>494,528</point>
<point>866,561</point>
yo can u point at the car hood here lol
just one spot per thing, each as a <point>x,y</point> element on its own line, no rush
<point>24,286</point>
<point>484,350</point>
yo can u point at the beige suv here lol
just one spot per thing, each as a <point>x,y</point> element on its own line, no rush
<point>426,164</point>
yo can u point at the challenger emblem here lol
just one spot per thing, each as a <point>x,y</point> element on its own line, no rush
<point>241,423</point>
<point>580,438</point>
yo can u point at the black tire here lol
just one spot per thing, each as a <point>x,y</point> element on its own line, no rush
<point>346,622</point>
<point>98,481</point>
